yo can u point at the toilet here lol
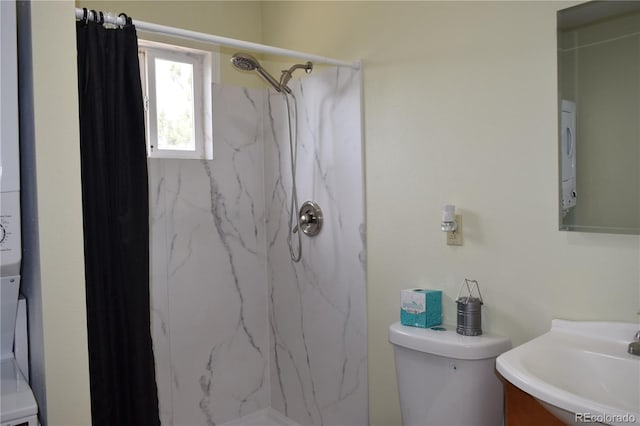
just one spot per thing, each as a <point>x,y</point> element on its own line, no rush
<point>447,379</point>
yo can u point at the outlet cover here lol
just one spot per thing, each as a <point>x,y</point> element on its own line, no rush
<point>454,238</point>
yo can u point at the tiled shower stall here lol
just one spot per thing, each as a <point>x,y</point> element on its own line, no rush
<point>237,325</point>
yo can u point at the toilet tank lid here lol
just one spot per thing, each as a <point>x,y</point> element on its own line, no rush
<point>447,342</point>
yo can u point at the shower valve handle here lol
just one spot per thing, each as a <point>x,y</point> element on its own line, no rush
<point>310,219</point>
<point>305,219</point>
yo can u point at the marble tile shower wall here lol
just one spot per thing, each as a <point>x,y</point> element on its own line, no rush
<point>238,327</point>
<point>317,307</point>
<point>208,280</point>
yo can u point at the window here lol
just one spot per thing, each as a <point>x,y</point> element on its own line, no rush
<point>176,86</point>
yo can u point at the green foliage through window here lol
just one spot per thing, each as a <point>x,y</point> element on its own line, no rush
<point>175,107</point>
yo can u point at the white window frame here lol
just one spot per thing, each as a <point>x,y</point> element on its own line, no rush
<point>201,62</point>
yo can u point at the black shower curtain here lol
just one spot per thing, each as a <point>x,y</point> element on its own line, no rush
<point>116,227</point>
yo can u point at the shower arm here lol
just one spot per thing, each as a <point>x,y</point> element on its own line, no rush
<point>287,74</point>
<point>267,77</point>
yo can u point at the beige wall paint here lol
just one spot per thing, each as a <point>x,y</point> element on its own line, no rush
<point>460,107</point>
<point>60,213</point>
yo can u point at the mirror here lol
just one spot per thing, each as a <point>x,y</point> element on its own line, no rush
<point>599,117</point>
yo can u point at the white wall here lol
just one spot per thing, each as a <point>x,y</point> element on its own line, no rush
<point>460,107</point>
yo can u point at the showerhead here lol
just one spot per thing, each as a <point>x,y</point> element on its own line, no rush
<point>245,62</point>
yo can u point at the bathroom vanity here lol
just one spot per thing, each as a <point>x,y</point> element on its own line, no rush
<point>578,370</point>
<point>521,409</point>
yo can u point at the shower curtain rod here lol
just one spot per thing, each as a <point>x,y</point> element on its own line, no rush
<point>112,18</point>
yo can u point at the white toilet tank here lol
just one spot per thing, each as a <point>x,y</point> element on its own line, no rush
<point>447,379</point>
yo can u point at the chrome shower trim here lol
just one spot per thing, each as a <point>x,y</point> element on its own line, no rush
<point>287,74</point>
<point>246,62</point>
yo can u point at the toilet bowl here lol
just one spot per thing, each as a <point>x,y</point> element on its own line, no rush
<point>447,379</point>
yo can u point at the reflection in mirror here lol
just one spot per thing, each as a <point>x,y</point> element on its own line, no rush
<point>599,117</point>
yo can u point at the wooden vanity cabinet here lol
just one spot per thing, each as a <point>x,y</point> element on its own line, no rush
<point>521,409</point>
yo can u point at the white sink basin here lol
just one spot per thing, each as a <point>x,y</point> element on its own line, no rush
<point>580,370</point>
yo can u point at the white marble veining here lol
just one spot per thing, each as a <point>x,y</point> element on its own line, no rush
<point>318,306</point>
<point>208,272</point>
<point>158,288</point>
<point>237,326</point>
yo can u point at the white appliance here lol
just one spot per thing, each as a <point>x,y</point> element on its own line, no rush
<point>568,155</point>
<point>17,404</point>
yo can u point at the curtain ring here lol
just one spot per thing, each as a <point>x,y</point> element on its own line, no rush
<point>101,18</point>
<point>85,15</point>
<point>95,15</point>
<point>127,20</point>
